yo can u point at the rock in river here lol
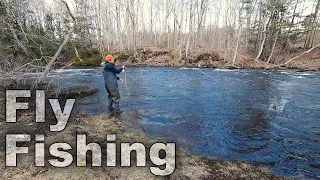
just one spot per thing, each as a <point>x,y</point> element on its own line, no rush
<point>77,91</point>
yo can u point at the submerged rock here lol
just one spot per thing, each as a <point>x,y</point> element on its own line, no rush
<point>77,91</point>
<point>315,165</point>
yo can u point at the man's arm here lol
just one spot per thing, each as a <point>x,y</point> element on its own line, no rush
<point>116,70</point>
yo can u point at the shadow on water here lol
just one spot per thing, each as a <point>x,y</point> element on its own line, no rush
<point>224,114</point>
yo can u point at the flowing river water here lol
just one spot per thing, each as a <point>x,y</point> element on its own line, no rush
<point>222,114</point>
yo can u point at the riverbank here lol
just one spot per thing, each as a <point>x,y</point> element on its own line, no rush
<point>203,58</point>
<point>187,167</point>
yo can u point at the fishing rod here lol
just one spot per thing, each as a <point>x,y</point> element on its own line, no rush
<point>126,85</point>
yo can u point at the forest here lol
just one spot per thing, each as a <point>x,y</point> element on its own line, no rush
<point>37,35</point>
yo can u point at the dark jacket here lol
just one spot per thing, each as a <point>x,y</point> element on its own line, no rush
<point>110,72</point>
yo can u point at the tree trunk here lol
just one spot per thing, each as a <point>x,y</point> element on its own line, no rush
<point>314,25</point>
<point>237,47</point>
<point>263,40</point>
<point>54,58</point>
<point>273,47</point>
<point>306,52</point>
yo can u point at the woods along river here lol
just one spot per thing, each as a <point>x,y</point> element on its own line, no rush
<point>222,114</point>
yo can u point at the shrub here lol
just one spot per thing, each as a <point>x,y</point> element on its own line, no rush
<point>94,60</point>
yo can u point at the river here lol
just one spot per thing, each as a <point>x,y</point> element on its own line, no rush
<point>222,114</point>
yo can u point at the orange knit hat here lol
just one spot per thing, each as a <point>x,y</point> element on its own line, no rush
<point>109,57</point>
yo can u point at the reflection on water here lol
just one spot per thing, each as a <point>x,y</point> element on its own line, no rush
<point>222,113</point>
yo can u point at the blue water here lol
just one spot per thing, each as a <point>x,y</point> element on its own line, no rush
<point>221,113</point>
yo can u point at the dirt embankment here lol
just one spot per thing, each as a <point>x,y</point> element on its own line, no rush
<point>163,58</point>
<point>211,59</point>
<point>203,58</point>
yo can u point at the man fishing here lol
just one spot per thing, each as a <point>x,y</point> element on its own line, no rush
<point>110,72</point>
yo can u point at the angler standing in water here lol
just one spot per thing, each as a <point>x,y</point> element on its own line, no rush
<point>110,72</point>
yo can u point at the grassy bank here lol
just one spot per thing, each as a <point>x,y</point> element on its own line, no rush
<point>187,167</point>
